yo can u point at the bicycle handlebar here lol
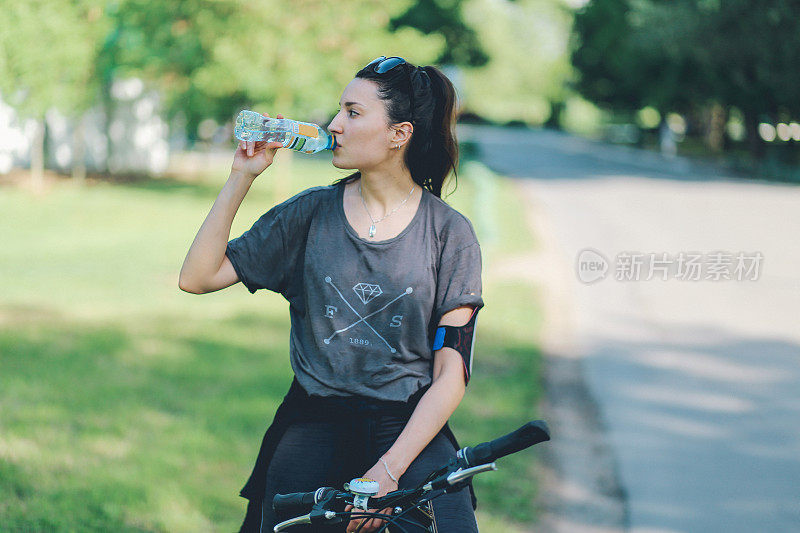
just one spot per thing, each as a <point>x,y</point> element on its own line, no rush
<point>531,433</point>
<point>469,461</point>
<point>296,502</point>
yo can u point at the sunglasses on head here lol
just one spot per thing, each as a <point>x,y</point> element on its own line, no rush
<point>383,64</point>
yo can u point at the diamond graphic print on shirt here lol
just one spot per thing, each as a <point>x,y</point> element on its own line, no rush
<point>367,291</point>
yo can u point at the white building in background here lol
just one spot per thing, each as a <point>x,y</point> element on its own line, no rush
<point>16,137</point>
<point>138,135</point>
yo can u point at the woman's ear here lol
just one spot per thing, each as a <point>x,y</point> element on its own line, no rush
<point>401,134</point>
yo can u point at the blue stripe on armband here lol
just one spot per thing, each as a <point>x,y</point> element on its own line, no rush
<point>438,340</point>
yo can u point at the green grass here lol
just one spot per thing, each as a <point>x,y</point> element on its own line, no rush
<point>128,405</point>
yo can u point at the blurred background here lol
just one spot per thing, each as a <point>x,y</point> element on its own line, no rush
<point>120,87</point>
<point>649,125</point>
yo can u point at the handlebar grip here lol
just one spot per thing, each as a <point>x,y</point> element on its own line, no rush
<point>295,503</point>
<point>531,433</point>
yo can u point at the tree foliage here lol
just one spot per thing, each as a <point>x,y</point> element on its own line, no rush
<point>212,57</point>
<point>445,17</point>
<point>681,54</point>
<point>47,54</point>
<point>526,42</point>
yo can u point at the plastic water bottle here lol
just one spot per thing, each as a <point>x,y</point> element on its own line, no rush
<point>300,136</point>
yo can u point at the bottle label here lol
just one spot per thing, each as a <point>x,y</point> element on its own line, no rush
<point>306,130</point>
<point>298,143</point>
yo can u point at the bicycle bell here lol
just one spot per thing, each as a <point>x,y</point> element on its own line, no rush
<point>362,488</point>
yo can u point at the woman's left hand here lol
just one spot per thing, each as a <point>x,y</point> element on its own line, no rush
<point>378,473</point>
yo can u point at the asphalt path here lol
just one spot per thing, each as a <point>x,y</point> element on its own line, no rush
<point>695,382</point>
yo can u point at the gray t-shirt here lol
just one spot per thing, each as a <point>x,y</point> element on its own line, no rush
<point>363,314</point>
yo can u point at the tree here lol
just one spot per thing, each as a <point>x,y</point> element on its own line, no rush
<point>686,55</point>
<point>753,54</point>
<point>46,61</point>
<point>526,43</point>
<point>631,53</point>
<point>444,17</point>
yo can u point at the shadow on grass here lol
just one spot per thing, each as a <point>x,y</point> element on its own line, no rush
<point>197,186</point>
<point>99,419</point>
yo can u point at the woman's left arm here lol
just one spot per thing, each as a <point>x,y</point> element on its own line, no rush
<point>436,405</point>
<point>429,416</point>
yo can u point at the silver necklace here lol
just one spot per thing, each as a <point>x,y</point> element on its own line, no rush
<point>372,227</point>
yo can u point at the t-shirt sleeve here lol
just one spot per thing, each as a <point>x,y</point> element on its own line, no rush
<point>459,274</point>
<point>257,254</point>
<point>263,255</point>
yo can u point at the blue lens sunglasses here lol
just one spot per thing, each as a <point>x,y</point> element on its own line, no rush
<point>384,64</point>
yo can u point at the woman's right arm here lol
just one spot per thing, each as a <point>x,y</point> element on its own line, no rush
<point>206,267</point>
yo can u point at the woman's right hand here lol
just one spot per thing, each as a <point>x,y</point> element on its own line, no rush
<point>253,157</point>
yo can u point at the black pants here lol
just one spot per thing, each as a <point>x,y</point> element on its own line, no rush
<point>306,459</point>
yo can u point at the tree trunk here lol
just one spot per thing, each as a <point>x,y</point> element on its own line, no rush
<point>37,157</point>
<point>78,151</point>
<point>755,145</point>
<point>554,120</point>
<point>715,128</point>
<point>108,112</point>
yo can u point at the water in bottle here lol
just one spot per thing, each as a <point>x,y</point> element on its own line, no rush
<point>300,136</point>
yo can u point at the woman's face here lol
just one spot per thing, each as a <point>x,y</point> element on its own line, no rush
<point>363,134</point>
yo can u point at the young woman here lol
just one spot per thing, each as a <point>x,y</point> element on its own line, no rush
<point>371,265</point>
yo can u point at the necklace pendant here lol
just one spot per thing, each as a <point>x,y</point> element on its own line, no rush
<point>372,231</point>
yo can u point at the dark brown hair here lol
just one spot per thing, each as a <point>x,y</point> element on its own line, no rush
<point>433,150</point>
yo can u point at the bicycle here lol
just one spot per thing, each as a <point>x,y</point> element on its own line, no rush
<point>326,503</point>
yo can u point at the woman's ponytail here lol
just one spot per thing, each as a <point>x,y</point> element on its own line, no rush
<point>435,154</point>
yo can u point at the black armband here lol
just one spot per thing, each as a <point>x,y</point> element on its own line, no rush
<point>461,339</point>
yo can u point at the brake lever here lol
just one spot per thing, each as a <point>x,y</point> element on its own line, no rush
<point>453,481</point>
<point>305,519</point>
<point>453,466</point>
<point>322,510</point>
